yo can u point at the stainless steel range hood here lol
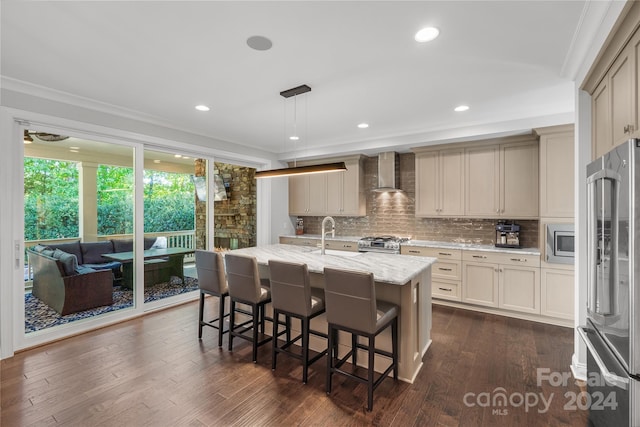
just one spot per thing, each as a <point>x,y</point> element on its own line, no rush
<point>388,172</point>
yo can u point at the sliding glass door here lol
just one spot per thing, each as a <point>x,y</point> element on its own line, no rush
<point>78,212</point>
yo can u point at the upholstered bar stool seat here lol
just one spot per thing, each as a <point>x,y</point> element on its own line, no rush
<point>246,287</point>
<point>211,281</point>
<point>293,296</point>
<point>350,297</point>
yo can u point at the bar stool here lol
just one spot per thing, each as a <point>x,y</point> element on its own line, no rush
<point>293,296</point>
<point>246,287</point>
<point>211,281</point>
<point>351,305</point>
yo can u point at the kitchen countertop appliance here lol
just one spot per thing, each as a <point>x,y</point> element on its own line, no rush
<point>507,235</point>
<point>383,244</point>
<point>612,331</point>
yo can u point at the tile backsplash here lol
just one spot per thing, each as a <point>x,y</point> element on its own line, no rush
<point>394,213</point>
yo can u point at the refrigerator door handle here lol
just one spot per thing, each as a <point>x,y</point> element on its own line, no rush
<point>610,378</point>
<point>608,307</point>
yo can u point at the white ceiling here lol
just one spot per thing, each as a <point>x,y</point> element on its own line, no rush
<point>156,60</point>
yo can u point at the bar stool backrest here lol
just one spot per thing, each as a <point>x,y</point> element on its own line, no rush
<point>350,299</point>
<point>210,268</point>
<point>290,287</point>
<point>243,277</point>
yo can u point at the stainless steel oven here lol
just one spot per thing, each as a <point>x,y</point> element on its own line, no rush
<point>560,248</point>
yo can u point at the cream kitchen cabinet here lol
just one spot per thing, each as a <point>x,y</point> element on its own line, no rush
<point>502,280</point>
<point>446,273</point>
<point>614,101</point>
<point>557,293</point>
<point>308,195</point>
<point>345,190</point>
<point>299,241</point>
<point>556,172</point>
<point>440,183</point>
<point>334,193</point>
<point>502,180</point>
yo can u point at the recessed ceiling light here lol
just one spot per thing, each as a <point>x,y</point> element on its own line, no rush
<point>294,138</point>
<point>460,108</point>
<point>74,151</point>
<point>74,148</point>
<point>363,125</point>
<point>202,108</point>
<point>185,157</point>
<point>156,161</point>
<point>177,156</point>
<point>259,43</point>
<point>426,34</point>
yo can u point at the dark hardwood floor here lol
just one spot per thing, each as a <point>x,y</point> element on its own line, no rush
<point>153,371</point>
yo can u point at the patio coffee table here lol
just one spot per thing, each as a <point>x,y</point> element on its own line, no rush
<point>159,265</point>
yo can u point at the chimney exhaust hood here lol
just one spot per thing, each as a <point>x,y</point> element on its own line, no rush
<point>388,172</point>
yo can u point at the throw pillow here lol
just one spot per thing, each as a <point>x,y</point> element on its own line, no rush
<point>69,261</point>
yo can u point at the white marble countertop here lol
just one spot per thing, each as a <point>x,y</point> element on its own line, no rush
<point>387,268</point>
<point>471,247</point>
<point>433,244</point>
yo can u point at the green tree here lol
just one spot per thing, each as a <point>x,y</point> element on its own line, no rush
<point>50,199</point>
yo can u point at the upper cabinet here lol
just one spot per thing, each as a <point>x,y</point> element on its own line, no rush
<point>345,190</point>
<point>440,182</point>
<point>614,85</point>
<point>335,193</point>
<point>502,180</point>
<point>485,179</point>
<point>308,195</point>
<point>557,172</point>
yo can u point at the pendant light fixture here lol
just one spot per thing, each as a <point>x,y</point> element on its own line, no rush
<point>300,170</point>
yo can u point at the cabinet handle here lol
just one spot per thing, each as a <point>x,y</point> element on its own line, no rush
<point>628,129</point>
<point>500,270</point>
<point>497,210</point>
<point>444,269</point>
<point>446,289</point>
<point>479,256</point>
<point>444,254</point>
<point>411,251</point>
<point>495,269</point>
<point>519,259</point>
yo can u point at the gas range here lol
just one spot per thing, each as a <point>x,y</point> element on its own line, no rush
<point>382,244</point>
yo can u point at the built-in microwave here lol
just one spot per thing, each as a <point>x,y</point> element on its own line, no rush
<point>560,243</point>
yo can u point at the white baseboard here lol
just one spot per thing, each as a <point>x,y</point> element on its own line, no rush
<point>578,369</point>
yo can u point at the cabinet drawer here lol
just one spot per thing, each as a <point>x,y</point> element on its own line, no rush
<point>444,289</point>
<point>441,254</point>
<point>447,270</point>
<point>299,241</point>
<point>341,246</point>
<point>502,258</point>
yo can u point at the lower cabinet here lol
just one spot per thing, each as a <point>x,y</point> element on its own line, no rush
<point>557,293</point>
<point>480,283</point>
<point>446,278</point>
<point>506,281</point>
<point>520,289</point>
<point>299,241</point>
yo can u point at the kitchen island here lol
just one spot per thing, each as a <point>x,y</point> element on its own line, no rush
<point>404,281</point>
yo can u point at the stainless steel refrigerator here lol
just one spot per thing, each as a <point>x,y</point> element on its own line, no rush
<point>612,332</point>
